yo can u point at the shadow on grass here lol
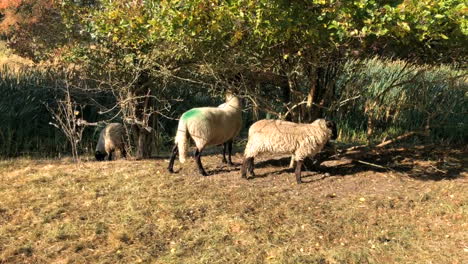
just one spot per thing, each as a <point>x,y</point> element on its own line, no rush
<point>212,151</point>
<point>222,170</point>
<point>418,162</point>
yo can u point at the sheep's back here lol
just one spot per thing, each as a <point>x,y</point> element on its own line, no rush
<point>212,125</point>
<point>276,136</point>
<point>111,138</point>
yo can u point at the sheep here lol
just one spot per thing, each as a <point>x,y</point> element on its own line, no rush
<point>276,136</point>
<point>207,126</point>
<point>111,138</point>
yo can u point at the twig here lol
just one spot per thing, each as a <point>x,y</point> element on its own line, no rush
<point>372,164</point>
<point>82,122</point>
<point>349,99</point>
<point>437,169</point>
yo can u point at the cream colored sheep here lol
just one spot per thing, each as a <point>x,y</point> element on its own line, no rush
<point>207,126</point>
<point>110,139</point>
<point>276,136</point>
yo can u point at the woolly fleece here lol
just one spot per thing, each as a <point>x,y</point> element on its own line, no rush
<point>111,138</point>
<point>209,126</point>
<point>276,136</point>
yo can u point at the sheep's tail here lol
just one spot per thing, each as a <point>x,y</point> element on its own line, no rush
<point>181,140</point>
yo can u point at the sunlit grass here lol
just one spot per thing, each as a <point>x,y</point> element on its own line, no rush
<point>53,211</point>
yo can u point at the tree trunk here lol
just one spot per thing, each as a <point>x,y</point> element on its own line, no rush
<point>322,90</point>
<point>143,114</point>
<point>286,94</point>
<point>370,127</point>
<point>288,97</point>
<point>311,97</point>
<point>144,144</point>
<point>317,90</point>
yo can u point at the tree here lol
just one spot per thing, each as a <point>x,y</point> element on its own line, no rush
<point>32,28</point>
<point>283,55</point>
<point>304,43</point>
<point>66,114</point>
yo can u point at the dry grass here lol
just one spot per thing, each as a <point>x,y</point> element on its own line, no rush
<point>53,211</point>
<point>12,61</point>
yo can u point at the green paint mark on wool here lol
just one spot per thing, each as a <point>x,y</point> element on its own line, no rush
<point>191,114</point>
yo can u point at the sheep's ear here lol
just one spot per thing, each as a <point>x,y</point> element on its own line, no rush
<point>330,124</point>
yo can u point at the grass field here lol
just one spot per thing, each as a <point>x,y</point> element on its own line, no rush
<point>413,210</point>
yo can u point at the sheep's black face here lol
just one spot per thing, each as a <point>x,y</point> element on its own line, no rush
<point>332,126</point>
<point>99,156</point>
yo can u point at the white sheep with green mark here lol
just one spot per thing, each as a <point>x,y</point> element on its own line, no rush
<point>207,126</point>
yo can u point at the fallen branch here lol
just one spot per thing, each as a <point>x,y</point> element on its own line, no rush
<point>355,148</point>
<point>406,135</point>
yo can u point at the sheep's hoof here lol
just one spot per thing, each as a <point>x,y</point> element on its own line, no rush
<point>252,176</point>
<point>230,163</point>
<point>299,181</point>
<point>170,170</point>
<point>203,173</point>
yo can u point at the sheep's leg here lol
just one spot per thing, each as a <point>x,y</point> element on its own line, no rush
<point>229,143</point>
<point>248,164</point>
<point>124,153</point>
<point>175,150</point>
<point>244,168</point>
<point>110,155</point>
<point>292,163</point>
<point>251,167</point>
<point>298,171</point>
<point>199,164</point>
<point>224,152</point>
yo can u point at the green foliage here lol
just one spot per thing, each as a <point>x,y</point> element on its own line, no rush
<point>181,54</point>
<point>397,97</point>
<point>270,30</point>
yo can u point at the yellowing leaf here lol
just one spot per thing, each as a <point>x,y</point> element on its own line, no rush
<point>405,26</point>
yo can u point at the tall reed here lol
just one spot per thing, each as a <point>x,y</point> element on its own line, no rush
<point>381,98</point>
